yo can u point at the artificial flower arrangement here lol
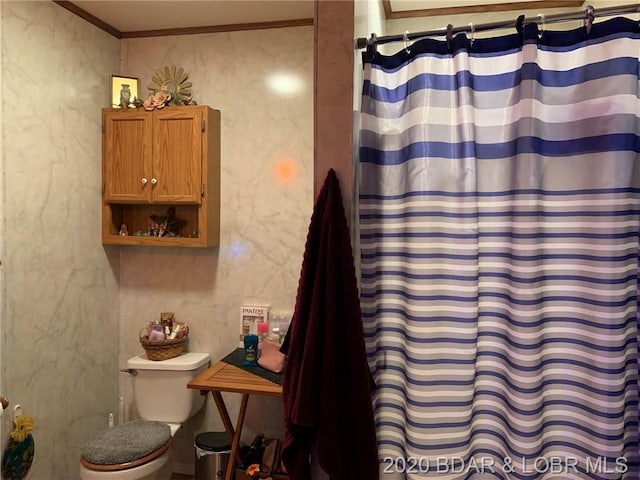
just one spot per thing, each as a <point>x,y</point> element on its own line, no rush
<point>24,426</point>
<point>157,100</point>
<point>169,86</point>
<point>160,99</point>
<point>19,453</point>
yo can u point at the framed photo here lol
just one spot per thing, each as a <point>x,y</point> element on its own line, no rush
<point>123,89</point>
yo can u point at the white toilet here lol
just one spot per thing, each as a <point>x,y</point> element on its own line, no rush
<point>161,397</point>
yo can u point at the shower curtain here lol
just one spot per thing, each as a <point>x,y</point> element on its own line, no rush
<point>498,215</point>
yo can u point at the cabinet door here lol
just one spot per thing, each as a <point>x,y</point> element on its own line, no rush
<point>177,155</point>
<point>126,156</point>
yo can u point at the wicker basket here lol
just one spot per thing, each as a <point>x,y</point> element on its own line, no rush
<point>164,350</point>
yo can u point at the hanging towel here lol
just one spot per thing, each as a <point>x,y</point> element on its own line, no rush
<point>327,383</point>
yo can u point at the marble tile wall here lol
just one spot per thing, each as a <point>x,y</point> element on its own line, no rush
<point>262,82</point>
<point>71,308</point>
<point>59,313</point>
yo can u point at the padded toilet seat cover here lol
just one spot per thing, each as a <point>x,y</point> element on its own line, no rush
<point>127,445</point>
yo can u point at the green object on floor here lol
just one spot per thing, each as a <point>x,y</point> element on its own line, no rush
<point>17,458</point>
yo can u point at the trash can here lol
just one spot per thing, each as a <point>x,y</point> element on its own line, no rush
<point>212,454</point>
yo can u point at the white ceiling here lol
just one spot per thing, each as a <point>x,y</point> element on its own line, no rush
<point>149,15</point>
<point>143,15</point>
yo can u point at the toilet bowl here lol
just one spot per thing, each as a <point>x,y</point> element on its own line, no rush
<point>159,468</point>
<point>141,449</point>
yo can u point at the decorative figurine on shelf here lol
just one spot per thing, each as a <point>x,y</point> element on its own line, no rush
<point>165,225</point>
<point>123,230</point>
<point>125,96</point>
<point>153,227</point>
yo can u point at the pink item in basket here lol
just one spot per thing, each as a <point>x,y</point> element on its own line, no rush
<point>156,334</point>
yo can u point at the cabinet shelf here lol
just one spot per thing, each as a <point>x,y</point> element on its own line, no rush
<point>151,241</point>
<point>155,160</point>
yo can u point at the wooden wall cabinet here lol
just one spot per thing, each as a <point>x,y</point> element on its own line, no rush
<point>159,159</point>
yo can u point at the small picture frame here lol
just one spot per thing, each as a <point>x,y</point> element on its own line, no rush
<point>119,87</point>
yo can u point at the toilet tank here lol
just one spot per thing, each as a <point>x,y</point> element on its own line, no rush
<point>160,387</point>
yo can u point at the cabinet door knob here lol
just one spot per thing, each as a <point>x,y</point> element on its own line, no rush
<point>144,181</point>
<point>153,181</point>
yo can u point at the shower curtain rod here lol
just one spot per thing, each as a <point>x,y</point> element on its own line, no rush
<point>450,30</point>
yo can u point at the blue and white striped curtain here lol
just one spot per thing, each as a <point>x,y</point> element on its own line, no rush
<point>499,218</point>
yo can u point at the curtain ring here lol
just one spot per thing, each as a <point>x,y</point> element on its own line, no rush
<point>588,18</point>
<point>450,36</point>
<point>520,27</point>
<point>542,20</point>
<point>372,44</point>
<point>472,29</point>
<point>405,38</point>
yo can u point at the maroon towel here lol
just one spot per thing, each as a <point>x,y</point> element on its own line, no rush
<point>327,383</point>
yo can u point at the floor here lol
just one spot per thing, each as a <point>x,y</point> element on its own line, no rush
<point>179,476</point>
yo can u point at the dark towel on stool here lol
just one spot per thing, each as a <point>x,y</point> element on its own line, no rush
<point>327,383</point>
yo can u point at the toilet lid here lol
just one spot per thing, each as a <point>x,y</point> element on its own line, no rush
<point>125,446</point>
